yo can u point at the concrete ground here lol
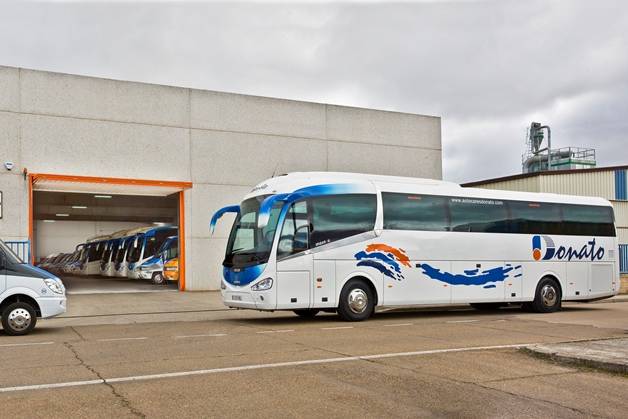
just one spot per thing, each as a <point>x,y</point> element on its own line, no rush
<point>606,354</point>
<point>109,285</point>
<point>428,363</point>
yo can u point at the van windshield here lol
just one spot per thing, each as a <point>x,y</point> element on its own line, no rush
<point>10,255</point>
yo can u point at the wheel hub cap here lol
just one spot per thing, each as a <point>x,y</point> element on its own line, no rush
<point>358,300</point>
<point>19,319</point>
<point>549,295</point>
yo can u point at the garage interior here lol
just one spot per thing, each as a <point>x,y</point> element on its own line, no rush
<point>68,213</point>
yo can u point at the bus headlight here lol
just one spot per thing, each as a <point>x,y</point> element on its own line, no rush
<point>263,285</point>
<point>54,285</point>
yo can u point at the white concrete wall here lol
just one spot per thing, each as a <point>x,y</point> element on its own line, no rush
<point>63,236</point>
<point>224,143</point>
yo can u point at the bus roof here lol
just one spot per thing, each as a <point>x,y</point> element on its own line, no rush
<point>366,183</point>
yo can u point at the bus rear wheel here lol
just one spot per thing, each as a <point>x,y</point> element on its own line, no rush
<point>547,298</point>
<point>357,301</point>
<point>306,313</point>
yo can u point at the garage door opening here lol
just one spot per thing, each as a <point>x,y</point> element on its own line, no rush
<point>108,235</point>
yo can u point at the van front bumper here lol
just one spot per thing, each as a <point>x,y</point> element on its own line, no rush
<point>52,306</point>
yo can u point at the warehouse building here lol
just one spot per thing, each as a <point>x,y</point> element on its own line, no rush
<point>85,157</point>
<point>606,182</point>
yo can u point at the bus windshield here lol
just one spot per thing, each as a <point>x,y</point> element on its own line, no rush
<point>249,245</point>
<point>135,249</point>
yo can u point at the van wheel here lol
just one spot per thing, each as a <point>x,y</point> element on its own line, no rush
<point>158,278</point>
<point>486,306</point>
<point>306,313</point>
<point>547,298</point>
<point>357,301</point>
<point>18,319</point>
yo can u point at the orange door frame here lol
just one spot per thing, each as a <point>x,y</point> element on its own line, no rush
<point>34,177</point>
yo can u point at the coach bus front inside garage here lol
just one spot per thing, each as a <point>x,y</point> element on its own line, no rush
<point>103,234</point>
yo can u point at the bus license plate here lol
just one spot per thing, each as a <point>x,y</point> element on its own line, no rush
<point>236,297</point>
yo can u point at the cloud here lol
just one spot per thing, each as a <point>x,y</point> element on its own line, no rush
<point>488,68</point>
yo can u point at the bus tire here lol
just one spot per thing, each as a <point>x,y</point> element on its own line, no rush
<point>357,301</point>
<point>547,298</point>
<point>18,319</point>
<point>486,306</point>
<point>306,313</point>
<point>158,278</point>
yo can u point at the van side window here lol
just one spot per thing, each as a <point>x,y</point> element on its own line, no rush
<point>336,217</point>
<point>415,212</point>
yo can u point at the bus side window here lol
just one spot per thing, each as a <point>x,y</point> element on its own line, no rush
<point>478,215</point>
<point>535,218</point>
<point>415,212</point>
<point>295,231</point>
<point>585,220</point>
<point>336,217</point>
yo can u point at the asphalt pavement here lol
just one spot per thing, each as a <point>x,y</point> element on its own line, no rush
<point>421,363</point>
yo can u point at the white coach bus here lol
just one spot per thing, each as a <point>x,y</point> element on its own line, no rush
<point>311,242</point>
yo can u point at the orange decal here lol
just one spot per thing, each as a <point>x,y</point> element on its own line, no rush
<point>398,253</point>
<point>536,254</point>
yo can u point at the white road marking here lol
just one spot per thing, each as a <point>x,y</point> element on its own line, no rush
<point>7,345</point>
<point>463,321</point>
<point>276,331</point>
<point>200,336</point>
<point>118,339</point>
<point>398,324</point>
<point>337,328</point>
<point>256,367</point>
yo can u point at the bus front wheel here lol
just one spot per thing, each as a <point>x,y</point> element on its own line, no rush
<point>357,301</point>
<point>158,278</point>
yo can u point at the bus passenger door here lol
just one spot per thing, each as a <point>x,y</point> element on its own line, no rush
<point>294,260</point>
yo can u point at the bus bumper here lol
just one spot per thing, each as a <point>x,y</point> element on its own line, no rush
<point>264,300</point>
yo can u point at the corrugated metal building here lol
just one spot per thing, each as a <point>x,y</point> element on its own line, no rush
<point>606,182</point>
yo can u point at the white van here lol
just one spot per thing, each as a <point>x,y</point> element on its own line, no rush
<point>26,293</point>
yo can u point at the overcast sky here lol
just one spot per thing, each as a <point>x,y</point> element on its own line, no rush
<point>488,68</point>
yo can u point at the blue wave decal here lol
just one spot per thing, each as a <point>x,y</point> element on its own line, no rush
<point>220,213</point>
<point>384,258</point>
<point>244,275</point>
<point>380,261</point>
<point>472,277</point>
